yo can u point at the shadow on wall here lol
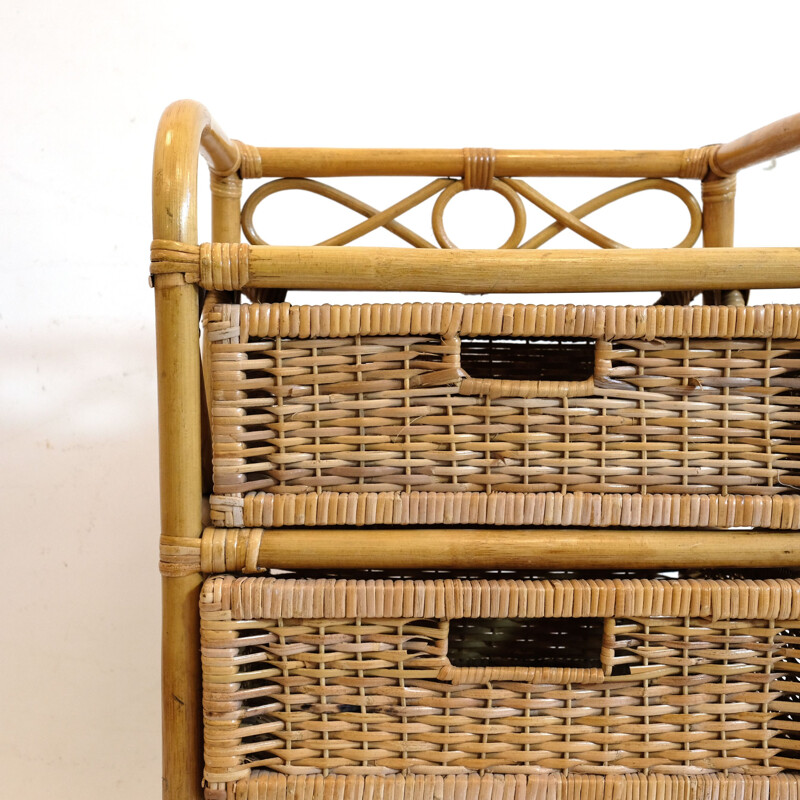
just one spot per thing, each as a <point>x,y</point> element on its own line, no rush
<point>79,430</point>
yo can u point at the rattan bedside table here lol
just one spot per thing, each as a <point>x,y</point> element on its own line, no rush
<point>506,550</point>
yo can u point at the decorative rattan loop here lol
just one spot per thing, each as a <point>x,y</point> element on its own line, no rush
<point>574,219</point>
<point>514,200</point>
<point>374,218</point>
<point>387,218</point>
<point>224,266</point>
<point>478,167</point>
<point>250,166</point>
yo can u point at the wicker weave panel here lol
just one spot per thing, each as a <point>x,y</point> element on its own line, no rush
<point>582,509</point>
<point>364,696</point>
<point>709,413</point>
<point>499,319</point>
<point>494,595</point>
<point>263,785</point>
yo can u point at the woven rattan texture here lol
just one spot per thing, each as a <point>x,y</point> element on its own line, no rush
<point>582,509</point>
<point>263,785</point>
<point>684,402</point>
<point>682,694</point>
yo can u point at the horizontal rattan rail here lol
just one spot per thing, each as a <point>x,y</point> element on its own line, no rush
<point>193,126</point>
<point>256,549</point>
<point>236,266</point>
<point>330,162</point>
<point>768,142</point>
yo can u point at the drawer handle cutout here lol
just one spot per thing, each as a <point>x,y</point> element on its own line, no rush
<point>557,650</point>
<point>528,359</point>
<point>531,367</point>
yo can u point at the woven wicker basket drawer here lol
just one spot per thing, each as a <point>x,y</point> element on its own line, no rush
<point>423,414</point>
<point>374,678</point>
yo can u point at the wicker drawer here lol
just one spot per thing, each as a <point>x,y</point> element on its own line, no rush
<point>528,681</point>
<point>424,414</point>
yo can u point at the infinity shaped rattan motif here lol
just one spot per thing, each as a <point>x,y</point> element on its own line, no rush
<point>512,189</point>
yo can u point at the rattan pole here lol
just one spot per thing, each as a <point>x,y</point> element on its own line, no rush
<point>179,384</point>
<point>719,195</point>
<point>176,308</point>
<point>185,129</point>
<point>517,548</point>
<point>226,195</point>
<point>771,141</point>
<point>322,162</point>
<point>479,271</point>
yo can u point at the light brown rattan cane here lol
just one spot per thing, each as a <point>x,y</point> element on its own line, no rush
<point>354,677</point>
<point>338,401</point>
<point>751,345</point>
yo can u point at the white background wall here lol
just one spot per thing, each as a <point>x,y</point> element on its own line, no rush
<point>83,84</point>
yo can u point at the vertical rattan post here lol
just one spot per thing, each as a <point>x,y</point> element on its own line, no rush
<point>226,196</point>
<point>719,194</point>
<point>185,129</point>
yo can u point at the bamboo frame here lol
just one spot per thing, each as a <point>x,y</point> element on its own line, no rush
<point>305,162</point>
<point>234,550</point>
<point>719,195</point>
<point>187,131</point>
<point>479,271</point>
<point>771,141</point>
